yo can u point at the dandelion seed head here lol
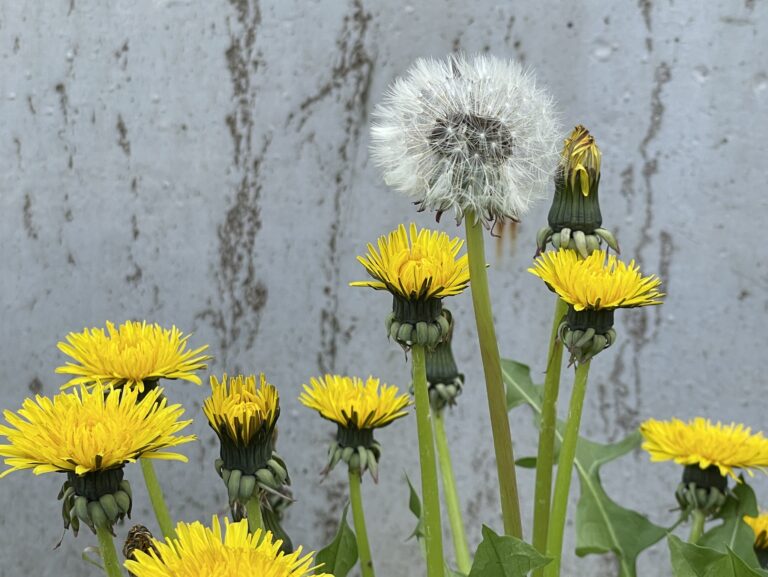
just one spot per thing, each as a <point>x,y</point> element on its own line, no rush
<point>467,133</point>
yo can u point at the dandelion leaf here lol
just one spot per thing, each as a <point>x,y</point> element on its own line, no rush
<point>340,555</point>
<point>690,560</point>
<point>505,556</point>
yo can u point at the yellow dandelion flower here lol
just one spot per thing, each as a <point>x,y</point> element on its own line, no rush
<point>90,431</point>
<point>759,525</point>
<point>699,442</point>
<point>424,266</point>
<point>581,160</point>
<point>239,409</point>
<point>599,282</point>
<point>355,404</point>
<point>130,355</point>
<point>199,551</point>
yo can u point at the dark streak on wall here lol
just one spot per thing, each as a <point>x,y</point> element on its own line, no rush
<point>243,295</point>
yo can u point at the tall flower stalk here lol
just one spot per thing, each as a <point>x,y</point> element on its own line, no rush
<point>420,268</point>
<point>445,385</point>
<point>358,408</point>
<point>494,386</point>
<point>593,287</point>
<point>545,458</point>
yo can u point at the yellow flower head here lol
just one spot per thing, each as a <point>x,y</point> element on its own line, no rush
<point>699,442</point>
<point>239,409</point>
<point>581,160</point>
<point>89,431</point>
<point>354,404</point>
<point>199,551</point>
<point>759,525</point>
<point>424,267</point>
<point>598,282</point>
<point>129,355</point>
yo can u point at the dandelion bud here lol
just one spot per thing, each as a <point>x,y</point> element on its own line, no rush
<point>574,217</point>
<point>443,377</point>
<point>244,417</point>
<point>759,525</point>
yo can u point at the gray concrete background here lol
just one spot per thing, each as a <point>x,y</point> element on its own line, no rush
<point>206,164</point>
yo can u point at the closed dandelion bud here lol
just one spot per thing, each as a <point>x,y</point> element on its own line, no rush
<point>443,377</point>
<point>593,288</point>
<point>244,416</point>
<point>574,220</point>
<point>358,408</point>
<point>419,268</point>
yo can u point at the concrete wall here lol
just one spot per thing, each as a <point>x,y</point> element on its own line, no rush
<point>206,164</point>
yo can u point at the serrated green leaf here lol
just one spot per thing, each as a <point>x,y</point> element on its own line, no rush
<point>505,556</point>
<point>414,504</point>
<point>602,525</point>
<point>733,532</point>
<point>695,561</point>
<point>340,555</point>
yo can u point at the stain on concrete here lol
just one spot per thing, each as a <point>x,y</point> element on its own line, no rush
<point>121,55</point>
<point>333,501</point>
<point>61,90</point>
<point>135,277</point>
<point>243,295</point>
<point>645,8</point>
<point>35,386</point>
<point>122,134</point>
<point>349,82</point>
<point>620,398</point>
<point>27,218</point>
<point>16,44</point>
<point>134,227</point>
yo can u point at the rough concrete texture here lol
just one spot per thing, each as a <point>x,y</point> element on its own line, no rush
<point>206,164</point>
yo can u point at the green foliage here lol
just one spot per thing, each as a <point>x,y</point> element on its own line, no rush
<point>602,525</point>
<point>695,561</point>
<point>340,556</point>
<point>733,533</point>
<point>505,556</point>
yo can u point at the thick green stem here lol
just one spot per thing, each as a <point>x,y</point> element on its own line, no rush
<point>697,525</point>
<point>546,455</point>
<point>361,533</point>
<point>156,497</point>
<point>497,402</point>
<point>108,552</point>
<point>253,510</point>
<point>565,472</point>
<point>433,533</point>
<point>461,549</point>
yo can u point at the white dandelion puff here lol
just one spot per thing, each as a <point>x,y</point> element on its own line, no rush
<point>467,134</point>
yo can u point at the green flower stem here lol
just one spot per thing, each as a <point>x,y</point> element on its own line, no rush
<point>546,456</point>
<point>253,510</point>
<point>361,533</point>
<point>156,497</point>
<point>433,533</point>
<point>461,549</point>
<point>108,552</point>
<point>697,527</point>
<point>565,471</point>
<point>497,402</point>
